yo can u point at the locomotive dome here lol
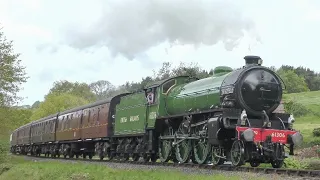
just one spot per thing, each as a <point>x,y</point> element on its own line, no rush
<point>222,69</point>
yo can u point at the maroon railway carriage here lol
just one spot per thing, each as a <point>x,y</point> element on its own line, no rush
<point>79,130</point>
<point>22,139</point>
<point>76,128</point>
<point>42,135</point>
<point>71,132</point>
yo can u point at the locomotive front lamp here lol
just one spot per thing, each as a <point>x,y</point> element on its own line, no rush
<point>243,117</point>
<point>248,135</point>
<point>260,62</point>
<point>291,119</point>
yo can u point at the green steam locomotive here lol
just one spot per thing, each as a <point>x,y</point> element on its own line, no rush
<point>229,116</point>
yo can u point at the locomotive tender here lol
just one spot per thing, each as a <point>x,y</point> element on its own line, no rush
<point>229,116</point>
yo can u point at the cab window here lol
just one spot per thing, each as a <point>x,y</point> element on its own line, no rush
<point>166,87</point>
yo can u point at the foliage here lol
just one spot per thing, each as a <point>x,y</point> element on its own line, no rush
<point>35,105</point>
<point>295,108</point>
<point>102,89</point>
<point>12,74</point>
<point>306,163</point>
<point>316,132</point>
<point>312,78</point>
<point>10,119</point>
<point>293,82</point>
<point>314,164</point>
<point>74,88</point>
<point>310,100</point>
<point>166,71</point>
<point>3,150</point>
<point>54,103</point>
<point>294,163</point>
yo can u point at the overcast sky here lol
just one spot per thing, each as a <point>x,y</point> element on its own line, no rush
<point>124,40</point>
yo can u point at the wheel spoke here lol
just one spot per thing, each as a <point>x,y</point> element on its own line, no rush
<point>216,156</point>
<point>236,155</point>
<point>165,150</point>
<point>183,151</point>
<point>201,152</point>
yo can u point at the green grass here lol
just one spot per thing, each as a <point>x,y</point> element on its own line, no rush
<point>310,100</point>
<point>306,124</point>
<point>55,170</point>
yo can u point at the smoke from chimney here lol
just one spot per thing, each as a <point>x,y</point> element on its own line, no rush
<point>131,27</point>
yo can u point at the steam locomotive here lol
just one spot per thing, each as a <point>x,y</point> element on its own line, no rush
<point>229,116</point>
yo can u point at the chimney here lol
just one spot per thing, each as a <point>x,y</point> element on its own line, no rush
<point>253,60</point>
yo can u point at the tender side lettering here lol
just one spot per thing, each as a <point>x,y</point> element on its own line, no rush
<point>278,134</point>
<point>134,118</point>
<point>123,119</point>
<point>152,115</point>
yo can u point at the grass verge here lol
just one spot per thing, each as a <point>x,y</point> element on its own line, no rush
<point>55,170</point>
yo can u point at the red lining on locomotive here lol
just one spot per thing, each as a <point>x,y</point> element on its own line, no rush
<point>261,134</point>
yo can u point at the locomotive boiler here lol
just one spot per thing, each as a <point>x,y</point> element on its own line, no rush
<point>229,116</point>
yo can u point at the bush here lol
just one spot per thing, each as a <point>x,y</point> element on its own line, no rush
<point>5,167</point>
<point>3,151</point>
<point>314,142</point>
<point>314,164</point>
<point>316,132</point>
<point>293,163</point>
<point>295,108</point>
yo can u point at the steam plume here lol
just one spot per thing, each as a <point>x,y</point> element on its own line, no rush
<point>130,27</point>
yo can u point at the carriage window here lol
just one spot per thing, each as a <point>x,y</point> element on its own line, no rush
<point>168,85</point>
<point>62,123</point>
<point>51,126</point>
<point>98,114</point>
<point>67,122</point>
<point>89,116</point>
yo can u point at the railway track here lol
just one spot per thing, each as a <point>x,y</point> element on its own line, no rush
<point>226,167</point>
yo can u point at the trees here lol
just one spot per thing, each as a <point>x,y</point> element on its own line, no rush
<point>293,82</point>
<point>102,89</point>
<point>75,88</point>
<point>311,78</point>
<point>62,96</point>
<point>54,103</point>
<point>12,74</point>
